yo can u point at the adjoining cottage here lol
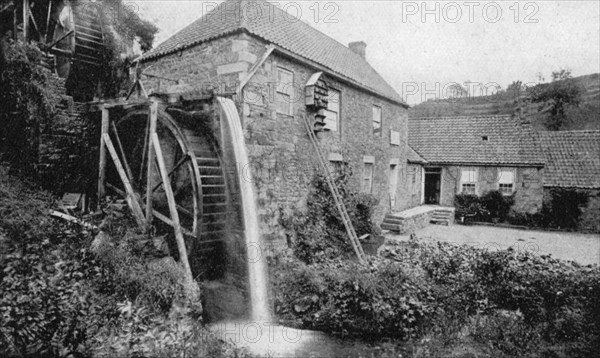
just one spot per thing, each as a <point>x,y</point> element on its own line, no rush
<point>477,154</point>
<point>573,162</point>
<point>282,71</point>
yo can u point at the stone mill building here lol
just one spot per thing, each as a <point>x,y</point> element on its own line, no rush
<point>282,70</point>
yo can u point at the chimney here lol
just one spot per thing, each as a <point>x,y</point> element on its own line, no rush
<point>359,47</point>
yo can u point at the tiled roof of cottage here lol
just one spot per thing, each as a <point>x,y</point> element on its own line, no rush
<point>274,25</point>
<point>414,157</point>
<point>572,158</point>
<point>485,140</point>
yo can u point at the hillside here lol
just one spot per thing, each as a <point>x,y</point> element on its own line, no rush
<point>586,116</point>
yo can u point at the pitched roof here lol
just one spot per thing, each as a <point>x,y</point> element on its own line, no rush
<point>265,20</point>
<point>572,158</point>
<point>414,157</point>
<point>484,140</point>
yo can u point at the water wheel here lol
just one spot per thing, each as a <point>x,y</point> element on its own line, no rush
<point>187,159</point>
<point>71,35</point>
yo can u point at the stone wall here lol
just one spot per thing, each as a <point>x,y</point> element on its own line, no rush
<point>528,186</point>
<point>68,145</point>
<point>282,159</point>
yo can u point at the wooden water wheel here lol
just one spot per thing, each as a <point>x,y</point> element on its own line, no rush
<point>70,33</point>
<point>167,166</point>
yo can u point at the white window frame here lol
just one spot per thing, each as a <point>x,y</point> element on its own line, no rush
<point>377,120</point>
<point>468,177</point>
<point>284,90</point>
<point>332,113</point>
<point>368,169</point>
<point>506,178</point>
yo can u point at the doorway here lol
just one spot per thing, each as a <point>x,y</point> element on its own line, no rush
<point>433,184</point>
<point>393,185</point>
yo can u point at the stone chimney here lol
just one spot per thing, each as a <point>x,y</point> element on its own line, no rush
<point>359,47</point>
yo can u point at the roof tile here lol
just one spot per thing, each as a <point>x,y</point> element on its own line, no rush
<point>280,28</point>
<point>572,158</point>
<point>486,140</point>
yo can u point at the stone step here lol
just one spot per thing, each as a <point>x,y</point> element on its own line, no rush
<point>440,221</point>
<point>390,227</point>
<point>393,220</point>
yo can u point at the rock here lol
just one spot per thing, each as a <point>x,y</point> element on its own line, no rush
<point>161,246</point>
<point>102,239</point>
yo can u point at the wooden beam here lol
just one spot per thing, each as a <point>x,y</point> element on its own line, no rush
<point>132,201</point>
<point>37,29</point>
<point>150,128</point>
<point>60,39</point>
<point>268,50</point>
<point>172,208</point>
<point>125,163</point>
<point>102,167</point>
<point>26,10</point>
<point>48,22</point>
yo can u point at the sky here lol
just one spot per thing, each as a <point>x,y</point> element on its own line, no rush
<point>423,47</point>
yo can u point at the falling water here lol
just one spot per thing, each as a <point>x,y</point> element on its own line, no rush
<point>257,270</point>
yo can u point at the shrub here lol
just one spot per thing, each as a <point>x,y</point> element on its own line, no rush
<point>564,208</point>
<point>497,204</point>
<point>343,297</point>
<point>492,205</point>
<point>319,231</point>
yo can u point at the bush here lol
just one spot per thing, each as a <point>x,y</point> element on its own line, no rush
<point>468,205</point>
<point>493,205</point>
<point>564,208</point>
<point>343,297</point>
<point>497,204</point>
<point>518,302</point>
<point>319,231</point>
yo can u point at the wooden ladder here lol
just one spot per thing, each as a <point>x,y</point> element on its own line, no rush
<point>360,254</point>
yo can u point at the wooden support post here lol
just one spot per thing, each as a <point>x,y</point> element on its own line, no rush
<point>172,205</point>
<point>102,168</point>
<point>120,146</point>
<point>152,119</point>
<point>26,10</point>
<point>132,200</point>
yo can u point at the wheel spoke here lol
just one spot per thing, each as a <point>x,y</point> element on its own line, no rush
<point>177,166</point>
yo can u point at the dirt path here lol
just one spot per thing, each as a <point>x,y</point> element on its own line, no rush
<point>582,248</point>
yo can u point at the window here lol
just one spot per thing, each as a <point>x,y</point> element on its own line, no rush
<point>368,178</point>
<point>468,181</point>
<point>332,113</point>
<point>285,91</point>
<point>377,120</point>
<point>506,181</point>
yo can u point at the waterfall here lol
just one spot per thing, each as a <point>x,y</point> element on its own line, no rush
<point>257,269</point>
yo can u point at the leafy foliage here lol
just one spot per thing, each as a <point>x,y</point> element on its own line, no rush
<point>60,299</point>
<point>319,231</point>
<point>492,205</point>
<point>343,297</point>
<point>516,301</point>
<point>564,207</point>
<point>26,102</point>
<point>556,97</point>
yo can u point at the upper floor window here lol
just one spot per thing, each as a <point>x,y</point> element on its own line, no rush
<point>285,91</point>
<point>332,113</point>
<point>506,180</point>
<point>377,120</point>
<point>468,181</point>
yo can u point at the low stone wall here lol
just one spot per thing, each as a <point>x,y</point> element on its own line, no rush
<point>414,219</point>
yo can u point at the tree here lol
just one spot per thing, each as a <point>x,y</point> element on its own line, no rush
<point>555,97</point>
